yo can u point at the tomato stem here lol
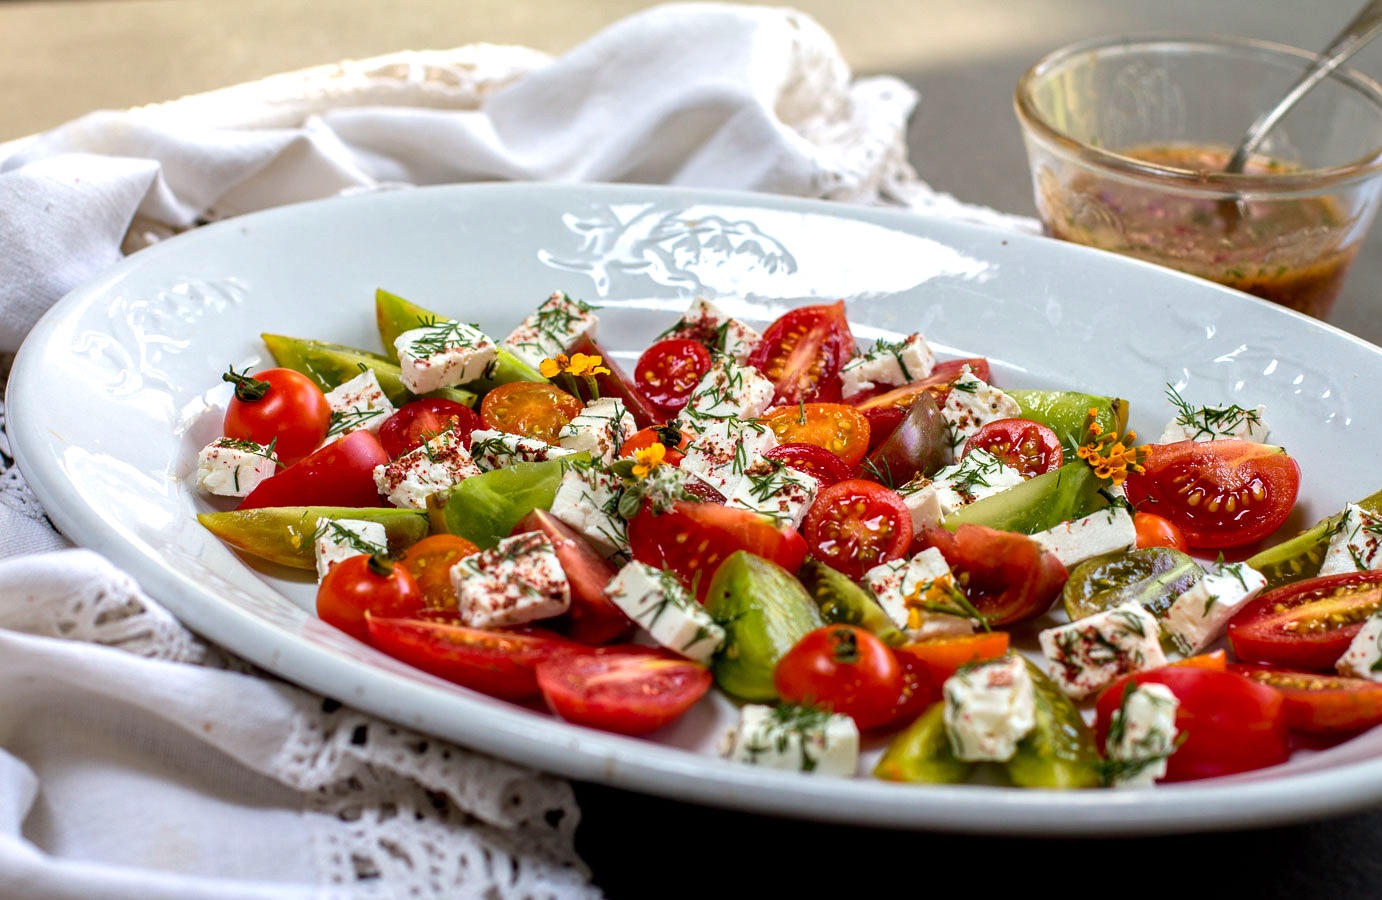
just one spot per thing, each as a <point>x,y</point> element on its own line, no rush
<point>248,389</point>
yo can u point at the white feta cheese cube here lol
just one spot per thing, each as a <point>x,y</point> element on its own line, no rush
<point>552,328</point>
<point>1142,734</point>
<point>1363,658</point>
<point>906,587</point>
<point>519,580</point>
<point>794,738</point>
<point>1213,423</point>
<point>775,490</point>
<point>722,453</point>
<point>656,600</point>
<point>1355,545</point>
<point>443,354</point>
<point>600,429</point>
<point>1197,617</point>
<point>340,539</point>
<point>977,475</point>
<point>1105,531</point>
<point>922,501</point>
<point>1090,653</point>
<point>707,324</point>
<point>890,363</point>
<point>231,467</point>
<point>588,500</point>
<point>972,403</point>
<point>496,449</point>
<point>356,404</point>
<point>989,707</point>
<point>436,465</point>
<point>728,390</point>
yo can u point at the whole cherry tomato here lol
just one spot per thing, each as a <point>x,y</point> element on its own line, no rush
<point>1158,531</point>
<point>362,584</point>
<point>846,669</point>
<point>282,407</point>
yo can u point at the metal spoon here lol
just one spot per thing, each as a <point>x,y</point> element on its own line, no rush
<point>1364,27</point>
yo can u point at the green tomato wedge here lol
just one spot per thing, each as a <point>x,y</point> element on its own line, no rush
<point>921,753</point>
<point>764,612</point>
<point>331,365</point>
<point>1151,576</point>
<point>1060,751</point>
<point>1301,556</point>
<point>842,601</point>
<point>1067,413</point>
<point>396,315</point>
<point>484,508</point>
<point>284,534</point>
<point>1038,503</point>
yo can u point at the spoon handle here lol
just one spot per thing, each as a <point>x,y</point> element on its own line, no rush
<point>1363,28</point>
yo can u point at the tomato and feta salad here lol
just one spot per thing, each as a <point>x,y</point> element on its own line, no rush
<point>861,546</point>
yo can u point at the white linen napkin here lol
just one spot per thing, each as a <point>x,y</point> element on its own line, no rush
<point>138,761</point>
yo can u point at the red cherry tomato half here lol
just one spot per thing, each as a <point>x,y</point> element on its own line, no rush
<point>854,525</point>
<point>818,462</point>
<point>1306,624</point>
<point>366,584</point>
<point>592,618</point>
<point>675,440</point>
<point>844,668</point>
<point>692,539</point>
<point>339,474</point>
<point>500,662</point>
<point>1230,723</point>
<point>668,371</point>
<point>279,406</point>
<point>1006,576</point>
<point>1030,447</point>
<point>626,689</point>
<point>418,421</point>
<point>1321,704</point>
<point>1157,531</point>
<point>1226,493</point>
<point>802,352</point>
<point>839,428</point>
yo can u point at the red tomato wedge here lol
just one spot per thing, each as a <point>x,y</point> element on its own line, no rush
<point>1006,576</point>
<point>1030,447</point>
<point>836,427</point>
<point>593,618</point>
<point>692,539</point>
<point>1306,624</point>
<point>802,353</point>
<point>626,689</point>
<point>855,525</point>
<point>938,382</point>
<point>1225,493</point>
<point>818,462</point>
<point>668,370</point>
<point>339,474</point>
<point>417,422</point>
<point>617,384</point>
<point>1321,704</point>
<point>498,662</point>
<point>1230,723</point>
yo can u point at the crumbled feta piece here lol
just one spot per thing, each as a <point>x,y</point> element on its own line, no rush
<point>906,587</point>
<point>356,404</point>
<point>1197,617</point>
<point>1363,658</point>
<point>496,449</point>
<point>443,354</point>
<point>891,363</point>
<point>340,539</point>
<point>1106,531</point>
<point>922,501</point>
<point>588,500</point>
<point>1355,544</point>
<point>655,599</point>
<point>972,403</point>
<point>989,707</point>
<point>436,465</point>
<point>552,328</point>
<point>519,580</point>
<point>599,429</point>
<point>1088,654</point>
<point>706,323</point>
<point>1142,734</point>
<point>776,490</point>
<point>728,390</point>
<point>231,467</point>
<point>722,453</point>
<point>977,475</point>
<point>1213,423</point>
<point>795,738</point>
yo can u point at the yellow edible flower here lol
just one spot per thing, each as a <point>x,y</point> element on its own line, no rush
<point>554,366</point>
<point>584,365</point>
<point>645,459</point>
<point>579,365</point>
<point>1110,456</point>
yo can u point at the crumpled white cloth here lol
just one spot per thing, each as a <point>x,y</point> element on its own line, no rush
<point>136,760</point>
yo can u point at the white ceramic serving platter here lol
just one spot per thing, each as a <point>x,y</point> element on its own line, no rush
<point>119,385</point>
